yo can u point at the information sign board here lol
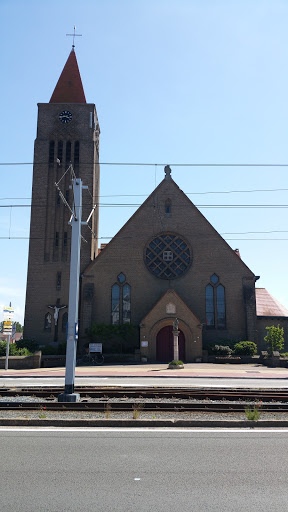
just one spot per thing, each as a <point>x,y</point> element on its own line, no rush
<point>95,347</point>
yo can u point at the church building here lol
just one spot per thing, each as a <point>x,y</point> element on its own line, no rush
<point>166,262</point>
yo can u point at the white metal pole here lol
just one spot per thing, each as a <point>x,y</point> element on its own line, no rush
<point>7,352</point>
<point>175,345</point>
<point>73,288</point>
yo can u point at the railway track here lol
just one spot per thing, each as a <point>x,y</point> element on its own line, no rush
<point>267,395</point>
<point>145,399</point>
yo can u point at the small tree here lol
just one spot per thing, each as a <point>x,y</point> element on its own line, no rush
<point>19,327</point>
<point>274,338</point>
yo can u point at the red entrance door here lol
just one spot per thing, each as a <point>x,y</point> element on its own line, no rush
<point>164,345</point>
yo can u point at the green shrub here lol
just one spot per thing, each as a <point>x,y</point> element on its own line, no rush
<point>54,350</point>
<point>13,350</point>
<point>30,344</point>
<point>61,349</point>
<point>49,350</point>
<point>221,350</point>
<point>226,342</point>
<point>284,354</point>
<point>177,363</point>
<point>245,348</point>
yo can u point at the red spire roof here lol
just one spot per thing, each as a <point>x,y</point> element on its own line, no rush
<point>69,88</point>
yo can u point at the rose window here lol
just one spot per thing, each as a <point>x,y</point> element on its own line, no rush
<point>167,256</point>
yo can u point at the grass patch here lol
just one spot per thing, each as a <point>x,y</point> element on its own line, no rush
<point>253,414</point>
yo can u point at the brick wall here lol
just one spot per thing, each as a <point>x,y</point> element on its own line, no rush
<point>49,217</point>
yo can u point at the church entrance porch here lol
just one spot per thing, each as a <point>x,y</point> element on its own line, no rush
<point>164,345</point>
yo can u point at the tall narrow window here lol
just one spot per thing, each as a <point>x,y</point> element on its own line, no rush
<point>168,207</point>
<point>65,240</point>
<point>68,152</point>
<point>210,316</point>
<point>58,281</point>
<point>56,239</point>
<point>220,301</point>
<point>60,151</point>
<point>215,304</point>
<point>115,306</point>
<point>51,152</point>
<point>121,301</point>
<point>76,154</point>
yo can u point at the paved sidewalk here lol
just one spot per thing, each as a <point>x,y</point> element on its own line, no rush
<point>196,370</point>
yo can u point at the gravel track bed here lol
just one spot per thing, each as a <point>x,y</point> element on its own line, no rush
<point>62,415</point>
<point>177,401</point>
<point>41,413</point>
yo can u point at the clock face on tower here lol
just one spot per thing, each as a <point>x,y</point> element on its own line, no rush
<point>65,116</point>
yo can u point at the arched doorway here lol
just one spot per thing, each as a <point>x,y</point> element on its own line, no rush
<point>164,345</point>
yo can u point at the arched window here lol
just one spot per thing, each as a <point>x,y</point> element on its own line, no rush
<point>64,321</point>
<point>215,304</point>
<point>121,301</point>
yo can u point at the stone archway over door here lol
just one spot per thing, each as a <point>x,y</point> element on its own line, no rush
<point>164,345</point>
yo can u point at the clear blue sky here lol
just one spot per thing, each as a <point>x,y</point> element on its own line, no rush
<point>182,81</point>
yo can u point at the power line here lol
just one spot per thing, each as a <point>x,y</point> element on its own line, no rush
<point>147,164</point>
<point>130,238</point>
<point>187,193</point>
<point>136,205</point>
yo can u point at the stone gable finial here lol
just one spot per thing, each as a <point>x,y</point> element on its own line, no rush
<point>167,171</point>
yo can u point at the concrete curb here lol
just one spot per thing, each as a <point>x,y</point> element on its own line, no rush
<point>143,423</point>
<point>105,376</point>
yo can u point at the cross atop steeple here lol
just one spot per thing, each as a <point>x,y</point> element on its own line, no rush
<point>167,171</point>
<point>74,35</point>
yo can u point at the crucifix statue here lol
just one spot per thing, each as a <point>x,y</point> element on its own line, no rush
<point>56,308</point>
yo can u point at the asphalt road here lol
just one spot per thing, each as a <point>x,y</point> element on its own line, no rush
<point>205,382</point>
<point>143,470</point>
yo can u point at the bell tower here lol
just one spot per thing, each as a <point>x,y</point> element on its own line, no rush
<point>67,133</point>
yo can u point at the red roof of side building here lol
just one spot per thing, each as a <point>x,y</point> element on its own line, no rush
<point>69,88</point>
<point>266,305</point>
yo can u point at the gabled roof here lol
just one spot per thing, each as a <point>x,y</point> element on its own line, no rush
<point>150,198</point>
<point>69,88</point>
<point>168,295</point>
<point>266,305</point>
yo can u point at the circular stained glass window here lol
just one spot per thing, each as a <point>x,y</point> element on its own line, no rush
<point>167,256</point>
